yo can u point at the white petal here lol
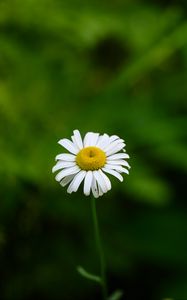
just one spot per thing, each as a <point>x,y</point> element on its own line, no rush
<point>113,144</point>
<point>100,181</point>
<point>66,157</point>
<point>114,173</point>
<point>118,156</point>
<point>77,139</point>
<point>62,164</point>
<point>100,191</point>
<point>117,168</point>
<point>66,180</point>
<point>88,183</point>
<point>115,149</point>
<point>107,180</point>
<point>73,187</point>
<point>93,139</point>
<point>95,190</point>
<point>67,172</point>
<point>87,139</point>
<point>71,147</point>
<point>103,141</point>
<point>118,162</point>
<point>113,138</point>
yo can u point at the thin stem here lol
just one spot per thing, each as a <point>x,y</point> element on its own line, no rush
<point>99,248</point>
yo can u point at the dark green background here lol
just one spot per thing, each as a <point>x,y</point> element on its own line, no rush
<point>118,67</point>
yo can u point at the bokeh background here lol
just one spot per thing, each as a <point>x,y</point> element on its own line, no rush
<point>118,67</point>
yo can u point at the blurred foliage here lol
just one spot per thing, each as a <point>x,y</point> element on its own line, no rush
<point>113,66</point>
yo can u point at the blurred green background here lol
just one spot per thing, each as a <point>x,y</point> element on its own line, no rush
<point>118,67</point>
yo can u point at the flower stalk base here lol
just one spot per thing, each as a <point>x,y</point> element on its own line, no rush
<point>99,248</point>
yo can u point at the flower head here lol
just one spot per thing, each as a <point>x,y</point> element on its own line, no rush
<point>89,159</point>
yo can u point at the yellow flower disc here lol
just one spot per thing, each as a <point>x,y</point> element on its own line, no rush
<point>91,158</point>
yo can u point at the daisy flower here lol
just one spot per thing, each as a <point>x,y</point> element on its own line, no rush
<point>89,159</point>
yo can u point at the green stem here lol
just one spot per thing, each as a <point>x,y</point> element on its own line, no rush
<point>99,248</point>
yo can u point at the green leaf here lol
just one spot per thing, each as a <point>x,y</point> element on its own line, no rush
<point>87,275</point>
<point>116,295</point>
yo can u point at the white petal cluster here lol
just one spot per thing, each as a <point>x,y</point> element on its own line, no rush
<point>95,181</point>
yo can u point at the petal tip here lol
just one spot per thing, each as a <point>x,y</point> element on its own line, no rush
<point>53,169</point>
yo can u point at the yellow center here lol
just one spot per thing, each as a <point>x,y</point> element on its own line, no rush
<point>91,158</point>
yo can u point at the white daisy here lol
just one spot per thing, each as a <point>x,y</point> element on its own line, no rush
<point>89,159</point>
